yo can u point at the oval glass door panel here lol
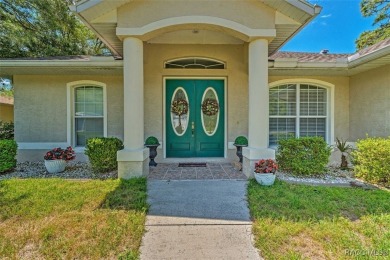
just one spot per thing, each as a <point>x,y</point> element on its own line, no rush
<point>210,111</point>
<point>180,111</point>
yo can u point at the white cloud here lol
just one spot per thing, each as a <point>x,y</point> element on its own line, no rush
<point>326,16</point>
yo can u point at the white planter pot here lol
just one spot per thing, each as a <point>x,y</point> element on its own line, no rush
<point>265,179</point>
<point>55,166</point>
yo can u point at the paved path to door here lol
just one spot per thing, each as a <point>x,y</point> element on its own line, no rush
<point>212,171</point>
<point>198,219</point>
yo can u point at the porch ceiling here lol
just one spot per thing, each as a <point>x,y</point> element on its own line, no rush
<point>101,17</point>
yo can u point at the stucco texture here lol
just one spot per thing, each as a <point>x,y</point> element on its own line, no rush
<point>370,104</point>
<point>41,106</point>
<point>6,113</point>
<point>141,13</point>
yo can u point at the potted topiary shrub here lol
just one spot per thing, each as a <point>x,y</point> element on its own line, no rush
<point>152,143</point>
<point>241,141</point>
<point>55,160</point>
<point>265,171</point>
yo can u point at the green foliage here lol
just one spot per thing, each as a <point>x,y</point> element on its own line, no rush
<point>36,28</point>
<point>8,150</point>
<point>303,156</point>
<point>289,217</point>
<point>151,140</point>
<point>372,160</point>
<point>344,148</point>
<point>102,153</point>
<point>241,140</point>
<point>6,130</point>
<point>381,10</point>
<point>77,205</point>
<point>342,145</point>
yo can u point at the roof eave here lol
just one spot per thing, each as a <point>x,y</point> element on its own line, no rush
<point>77,9</point>
<point>316,11</point>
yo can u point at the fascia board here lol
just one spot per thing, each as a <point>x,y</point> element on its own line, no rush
<point>64,64</point>
<point>80,7</point>
<point>356,60</point>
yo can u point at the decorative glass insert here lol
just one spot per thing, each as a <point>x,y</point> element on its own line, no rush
<point>297,110</point>
<point>88,113</point>
<point>180,111</point>
<point>210,111</point>
<point>194,63</point>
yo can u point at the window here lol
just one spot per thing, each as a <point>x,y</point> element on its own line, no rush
<point>88,113</point>
<point>194,63</point>
<point>297,110</point>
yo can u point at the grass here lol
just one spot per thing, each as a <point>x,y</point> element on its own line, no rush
<point>308,222</point>
<point>62,219</point>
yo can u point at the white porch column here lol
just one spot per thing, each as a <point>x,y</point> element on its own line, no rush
<point>132,161</point>
<point>258,107</point>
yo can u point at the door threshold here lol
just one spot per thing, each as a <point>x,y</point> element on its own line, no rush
<point>196,159</point>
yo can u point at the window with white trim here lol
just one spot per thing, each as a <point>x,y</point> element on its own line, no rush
<point>297,110</point>
<point>88,113</point>
<point>194,63</point>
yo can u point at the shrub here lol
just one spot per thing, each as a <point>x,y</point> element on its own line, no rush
<point>303,156</point>
<point>6,130</point>
<point>151,140</point>
<point>372,160</point>
<point>102,153</point>
<point>241,140</point>
<point>8,149</point>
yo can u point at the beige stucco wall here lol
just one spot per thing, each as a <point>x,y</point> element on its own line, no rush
<point>140,13</point>
<point>341,100</point>
<point>41,106</point>
<point>370,103</point>
<point>6,113</point>
<point>236,74</point>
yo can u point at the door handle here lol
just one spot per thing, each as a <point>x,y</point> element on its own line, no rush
<point>193,128</point>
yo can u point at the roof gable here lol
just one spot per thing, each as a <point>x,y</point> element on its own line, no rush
<point>284,17</point>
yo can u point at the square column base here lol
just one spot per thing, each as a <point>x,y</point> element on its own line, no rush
<point>253,155</point>
<point>133,163</point>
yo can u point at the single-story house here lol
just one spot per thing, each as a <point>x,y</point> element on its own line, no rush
<point>6,109</point>
<point>197,74</point>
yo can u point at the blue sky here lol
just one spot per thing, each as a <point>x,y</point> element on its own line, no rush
<point>336,28</point>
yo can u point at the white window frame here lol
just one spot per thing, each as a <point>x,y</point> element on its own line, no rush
<point>330,104</point>
<point>71,86</point>
<point>195,59</point>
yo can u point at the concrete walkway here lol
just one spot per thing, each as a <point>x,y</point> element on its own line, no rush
<point>198,219</point>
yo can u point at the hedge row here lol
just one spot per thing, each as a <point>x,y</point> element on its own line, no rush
<point>8,150</point>
<point>372,160</point>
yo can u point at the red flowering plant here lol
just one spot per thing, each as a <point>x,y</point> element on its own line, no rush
<point>60,154</point>
<point>266,166</point>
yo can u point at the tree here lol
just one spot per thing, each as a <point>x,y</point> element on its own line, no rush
<point>38,28</point>
<point>381,10</point>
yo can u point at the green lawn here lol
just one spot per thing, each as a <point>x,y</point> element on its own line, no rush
<point>62,219</point>
<point>308,222</point>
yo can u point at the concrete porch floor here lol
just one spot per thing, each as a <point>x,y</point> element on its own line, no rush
<point>214,170</point>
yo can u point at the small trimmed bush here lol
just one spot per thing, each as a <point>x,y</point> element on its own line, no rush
<point>241,140</point>
<point>6,130</point>
<point>102,151</point>
<point>8,150</point>
<point>151,140</point>
<point>372,160</point>
<point>303,156</point>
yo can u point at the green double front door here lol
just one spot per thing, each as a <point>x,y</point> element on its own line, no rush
<point>195,118</point>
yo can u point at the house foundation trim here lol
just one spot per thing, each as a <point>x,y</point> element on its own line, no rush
<point>252,155</point>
